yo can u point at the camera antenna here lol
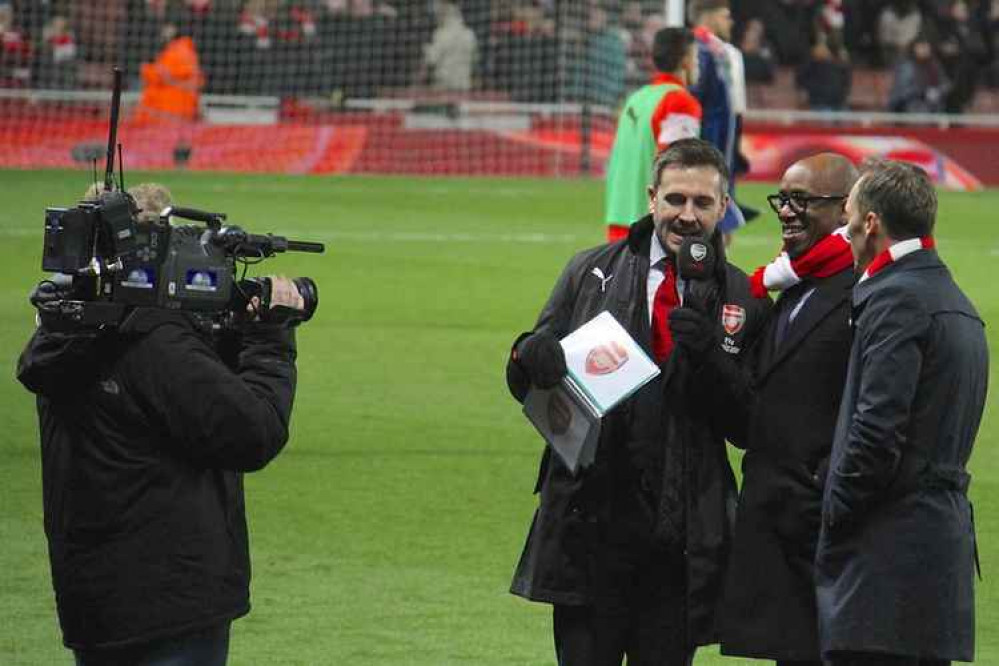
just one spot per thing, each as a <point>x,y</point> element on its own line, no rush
<point>113,131</point>
<point>121,170</point>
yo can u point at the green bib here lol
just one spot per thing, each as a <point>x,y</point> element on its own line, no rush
<point>629,170</point>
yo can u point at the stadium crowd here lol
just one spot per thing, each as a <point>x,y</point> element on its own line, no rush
<point>937,53</point>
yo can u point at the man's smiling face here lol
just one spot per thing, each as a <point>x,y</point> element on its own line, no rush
<point>687,201</point>
<point>805,217</point>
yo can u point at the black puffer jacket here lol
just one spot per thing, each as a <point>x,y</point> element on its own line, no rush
<point>145,434</point>
<point>567,554</point>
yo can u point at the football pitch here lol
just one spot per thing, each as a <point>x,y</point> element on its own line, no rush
<point>387,531</point>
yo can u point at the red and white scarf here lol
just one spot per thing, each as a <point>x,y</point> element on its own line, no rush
<point>896,252</point>
<point>827,257</point>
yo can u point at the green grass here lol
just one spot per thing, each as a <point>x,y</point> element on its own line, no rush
<point>387,532</point>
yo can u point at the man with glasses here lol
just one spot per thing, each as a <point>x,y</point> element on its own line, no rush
<point>790,397</point>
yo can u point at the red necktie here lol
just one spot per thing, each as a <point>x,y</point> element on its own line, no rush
<point>664,302</point>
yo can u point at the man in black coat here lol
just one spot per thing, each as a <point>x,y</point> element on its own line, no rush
<point>791,403</point>
<point>630,551</point>
<point>146,430</point>
<point>896,556</point>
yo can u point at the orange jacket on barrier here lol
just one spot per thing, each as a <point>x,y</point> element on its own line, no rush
<point>171,84</point>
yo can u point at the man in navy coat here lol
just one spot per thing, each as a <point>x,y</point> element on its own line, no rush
<point>896,557</point>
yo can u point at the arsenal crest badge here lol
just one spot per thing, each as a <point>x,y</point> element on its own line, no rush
<point>559,414</point>
<point>605,359</point>
<point>733,318</point>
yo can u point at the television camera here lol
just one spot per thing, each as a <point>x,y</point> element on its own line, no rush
<point>106,261</point>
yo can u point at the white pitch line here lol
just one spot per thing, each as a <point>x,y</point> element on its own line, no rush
<point>438,237</point>
<point>388,236</point>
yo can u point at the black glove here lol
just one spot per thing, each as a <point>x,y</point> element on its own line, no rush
<point>692,330</point>
<point>46,291</point>
<point>542,358</point>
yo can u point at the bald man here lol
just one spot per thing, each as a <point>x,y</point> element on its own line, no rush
<point>791,398</point>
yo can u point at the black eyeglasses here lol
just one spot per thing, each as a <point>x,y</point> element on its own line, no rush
<point>798,202</point>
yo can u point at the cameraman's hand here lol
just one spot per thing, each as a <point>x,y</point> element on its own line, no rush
<point>284,293</point>
<point>542,358</point>
<point>691,329</point>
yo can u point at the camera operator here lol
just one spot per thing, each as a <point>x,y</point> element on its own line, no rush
<point>150,198</point>
<point>146,430</point>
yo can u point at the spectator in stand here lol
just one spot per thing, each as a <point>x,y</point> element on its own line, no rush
<point>639,67</point>
<point>990,21</point>
<point>142,38</point>
<point>215,30</point>
<point>200,16</point>
<point>826,77</point>
<point>31,16</point>
<point>601,72</point>
<point>920,84</point>
<point>639,46</point>
<point>898,25</point>
<point>256,41</point>
<point>860,20</point>
<point>172,83</point>
<point>756,53</point>
<point>524,53</point>
<point>789,25</point>
<point>199,7</point>
<point>368,48</point>
<point>503,30</point>
<point>57,55</point>
<point>830,20</point>
<point>449,58</point>
<point>333,39</point>
<point>15,51</point>
<point>296,56</point>
<point>963,52</point>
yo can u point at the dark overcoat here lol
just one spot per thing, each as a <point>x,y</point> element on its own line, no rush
<point>769,600</point>
<point>896,555</point>
<point>567,546</point>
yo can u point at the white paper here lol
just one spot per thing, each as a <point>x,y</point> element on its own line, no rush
<point>605,362</point>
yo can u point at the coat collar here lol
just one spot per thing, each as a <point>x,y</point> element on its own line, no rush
<point>928,259</point>
<point>640,236</point>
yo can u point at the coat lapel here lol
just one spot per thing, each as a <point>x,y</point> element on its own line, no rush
<point>829,294</point>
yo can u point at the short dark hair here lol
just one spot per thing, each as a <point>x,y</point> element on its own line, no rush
<point>901,194</point>
<point>669,47</point>
<point>687,153</point>
<point>697,8</point>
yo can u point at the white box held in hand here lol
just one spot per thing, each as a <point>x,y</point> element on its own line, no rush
<point>605,363</point>
<point>605,366</point>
